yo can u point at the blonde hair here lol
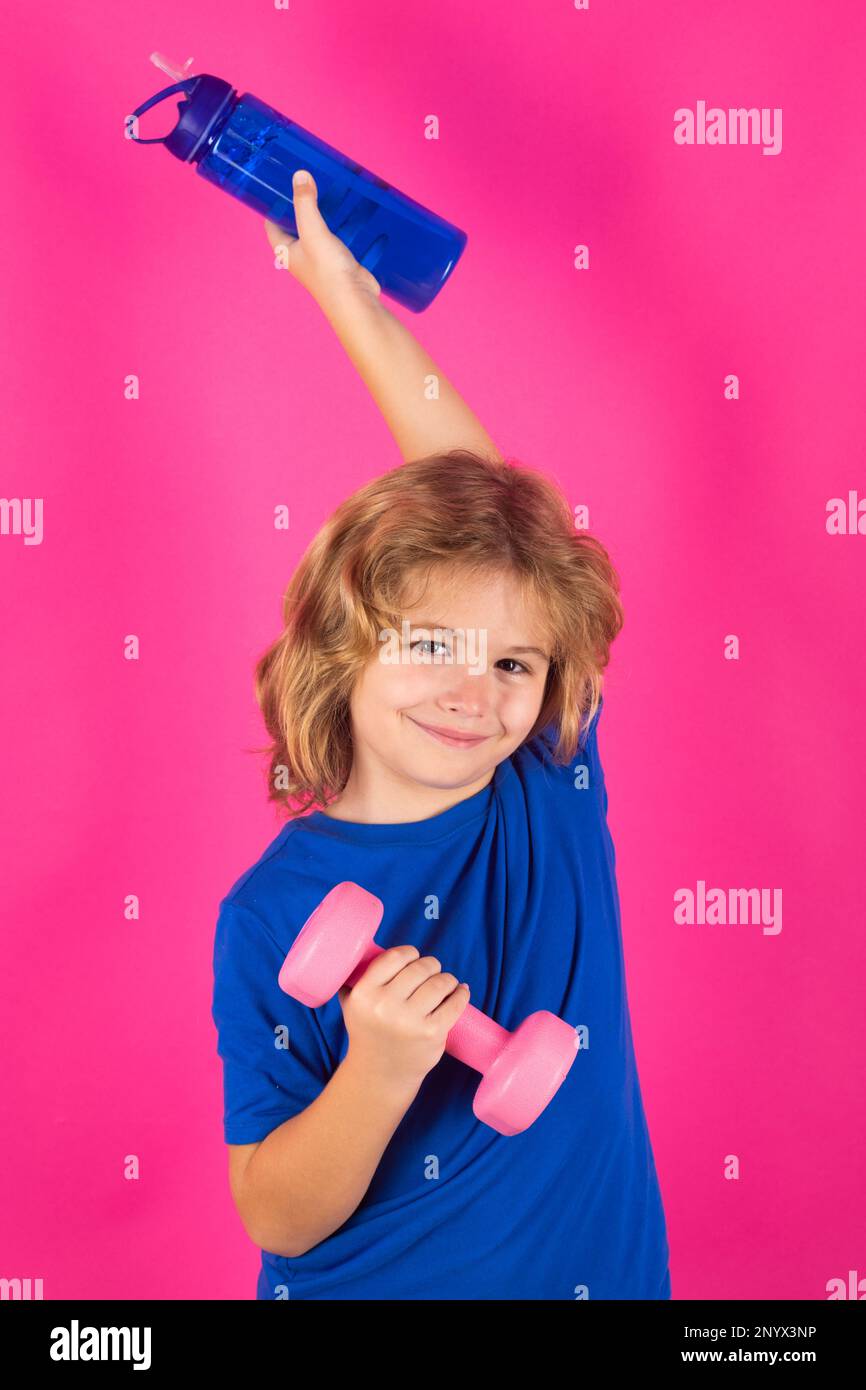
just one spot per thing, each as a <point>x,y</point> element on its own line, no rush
<point>457,513</point>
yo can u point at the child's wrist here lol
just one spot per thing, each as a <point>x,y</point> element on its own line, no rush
<point>343,299</point>
<point>386,1088</point>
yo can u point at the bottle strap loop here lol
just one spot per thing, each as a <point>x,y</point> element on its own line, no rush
<point>185,86</point>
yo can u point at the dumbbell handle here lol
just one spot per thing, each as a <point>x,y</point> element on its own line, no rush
<point>475,1039</point>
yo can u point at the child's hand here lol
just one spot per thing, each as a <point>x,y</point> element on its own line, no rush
<point>399,1014</point>
<point>318,259</point>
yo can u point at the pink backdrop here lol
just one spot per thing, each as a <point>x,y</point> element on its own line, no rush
<point>126,777</point>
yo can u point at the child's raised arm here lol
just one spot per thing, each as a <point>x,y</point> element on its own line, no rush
<point>393,365</point>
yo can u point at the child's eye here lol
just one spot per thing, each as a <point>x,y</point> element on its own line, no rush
<point>426,642</point>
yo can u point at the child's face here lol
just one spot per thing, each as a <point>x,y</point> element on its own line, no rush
<point>473,680</point>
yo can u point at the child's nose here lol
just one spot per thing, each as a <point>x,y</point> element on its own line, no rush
<point>469,692</point>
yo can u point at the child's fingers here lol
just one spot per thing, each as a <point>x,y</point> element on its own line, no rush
<point>305,195</point>
<point>452,1006</point>
<point>278,236</point>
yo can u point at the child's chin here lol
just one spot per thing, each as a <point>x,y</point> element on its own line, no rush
<point>445,779</point>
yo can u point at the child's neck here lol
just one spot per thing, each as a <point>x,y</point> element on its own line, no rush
<point>403,803</point>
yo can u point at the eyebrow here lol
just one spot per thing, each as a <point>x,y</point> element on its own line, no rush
<point>443,627</point>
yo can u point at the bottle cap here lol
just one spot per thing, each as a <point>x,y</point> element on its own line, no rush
<point>206,98</point>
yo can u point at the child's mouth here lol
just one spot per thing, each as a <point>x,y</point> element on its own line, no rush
<point>451,740</point>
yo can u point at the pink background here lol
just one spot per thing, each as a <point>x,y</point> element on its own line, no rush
<point>131,777</point>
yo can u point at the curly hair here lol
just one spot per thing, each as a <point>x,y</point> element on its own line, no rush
<point>456,513</point>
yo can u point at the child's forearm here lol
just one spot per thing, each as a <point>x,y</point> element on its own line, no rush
<point>308,1176</point>
<point>421,408</point>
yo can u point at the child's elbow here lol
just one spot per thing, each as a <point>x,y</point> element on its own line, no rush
<point>275,1244</point>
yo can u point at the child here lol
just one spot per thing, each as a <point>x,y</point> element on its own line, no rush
<point>453,770</point>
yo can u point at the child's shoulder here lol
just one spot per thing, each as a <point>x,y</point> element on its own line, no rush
<point>541,748</point>
<point>265,891</point>
<point>536,764</point>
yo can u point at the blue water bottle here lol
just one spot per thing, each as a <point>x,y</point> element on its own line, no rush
<point>251,151</point>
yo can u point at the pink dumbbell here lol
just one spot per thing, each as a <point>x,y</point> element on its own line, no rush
<point>522,1071</point>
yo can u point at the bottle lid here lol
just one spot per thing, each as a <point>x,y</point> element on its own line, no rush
<point>206,98</point>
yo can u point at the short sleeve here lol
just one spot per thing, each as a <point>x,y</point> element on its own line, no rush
<point>265,1080</point>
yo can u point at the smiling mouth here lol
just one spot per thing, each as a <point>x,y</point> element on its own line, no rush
<point>451,740</point>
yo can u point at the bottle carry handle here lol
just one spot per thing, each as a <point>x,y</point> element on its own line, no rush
<point>184,86</point>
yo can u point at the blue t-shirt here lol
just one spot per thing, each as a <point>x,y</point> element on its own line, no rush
<point>514,890</point>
